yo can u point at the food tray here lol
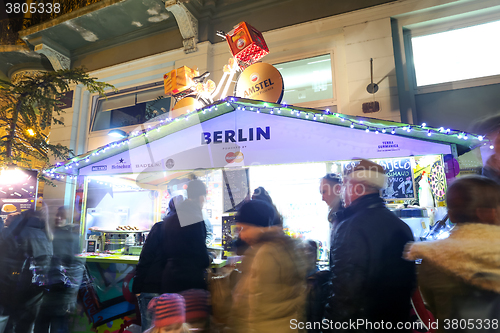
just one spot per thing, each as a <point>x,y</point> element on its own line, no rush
<point>121,231</point>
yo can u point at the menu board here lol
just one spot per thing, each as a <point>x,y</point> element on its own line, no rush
<point>236,188</point>
<point>400,182</point>
<point>228,235</point>
<point>18,189</point>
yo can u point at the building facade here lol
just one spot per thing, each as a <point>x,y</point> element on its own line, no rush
<point>328,52</point>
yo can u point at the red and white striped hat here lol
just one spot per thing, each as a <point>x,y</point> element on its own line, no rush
<point>168,309</point>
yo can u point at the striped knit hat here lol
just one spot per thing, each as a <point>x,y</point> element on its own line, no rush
<point>197,304</point>
<point>168,309</point>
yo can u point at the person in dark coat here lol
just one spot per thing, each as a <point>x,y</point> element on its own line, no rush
<point>35,239</point>
<point>184,243</point>
<point>65,278</point>
<point>148,272</point>
<point>370,279</point>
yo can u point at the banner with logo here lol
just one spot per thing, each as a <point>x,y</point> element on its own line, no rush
<point>244,138</point>
<point>18,190</point>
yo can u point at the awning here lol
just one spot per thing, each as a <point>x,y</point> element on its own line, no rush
<point>239,132</point>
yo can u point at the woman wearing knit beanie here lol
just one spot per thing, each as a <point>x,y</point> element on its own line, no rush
<point>197,309</point>
<point>169,314</point>
<point>272,288</point>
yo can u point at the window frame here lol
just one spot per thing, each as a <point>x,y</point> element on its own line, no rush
<point>126,91</point>
<point>328,102</point>
<point>431,27</point>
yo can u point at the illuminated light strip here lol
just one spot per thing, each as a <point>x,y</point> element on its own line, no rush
<point>407,128</point>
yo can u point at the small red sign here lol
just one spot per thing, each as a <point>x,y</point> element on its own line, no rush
<point>234,157</point>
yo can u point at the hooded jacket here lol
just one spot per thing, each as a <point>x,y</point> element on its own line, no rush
<point>152,261</point>
<point>460,276</point>
<point>184,235</point>
<point>370,278</point>
<point>272,288</point>
<point>149,270</point>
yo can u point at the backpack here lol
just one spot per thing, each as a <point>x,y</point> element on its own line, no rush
<point>20,276</point>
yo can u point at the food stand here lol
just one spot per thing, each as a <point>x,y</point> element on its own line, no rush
<point>235,146</point>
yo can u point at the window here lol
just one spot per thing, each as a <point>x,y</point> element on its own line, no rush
<point>457,55</point>
<point>130,109</point>
<point>307,80</point>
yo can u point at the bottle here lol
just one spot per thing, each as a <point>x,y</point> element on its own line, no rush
<point>426,199</point>
<point>425,196</point>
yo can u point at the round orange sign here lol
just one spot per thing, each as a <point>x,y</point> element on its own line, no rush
<point>234,157</point>
<point>260,81</point>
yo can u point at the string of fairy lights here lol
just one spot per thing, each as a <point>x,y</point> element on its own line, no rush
<point>231,103</point>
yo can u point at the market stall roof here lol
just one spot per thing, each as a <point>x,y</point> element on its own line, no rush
<point>188,142</point>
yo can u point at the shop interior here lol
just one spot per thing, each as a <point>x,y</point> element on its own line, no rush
<point>132,203</point>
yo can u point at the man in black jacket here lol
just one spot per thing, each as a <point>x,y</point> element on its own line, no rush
<point>371,282</point>
<point>175,256</point>
<point>184,243</point>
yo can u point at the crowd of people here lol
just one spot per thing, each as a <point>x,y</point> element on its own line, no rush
<point>277,286</point>
<point>372,275</point>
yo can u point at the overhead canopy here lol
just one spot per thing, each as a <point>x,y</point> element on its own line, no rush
<point>240,132</point>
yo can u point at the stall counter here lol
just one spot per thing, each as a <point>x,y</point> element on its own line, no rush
<point>129,259</point>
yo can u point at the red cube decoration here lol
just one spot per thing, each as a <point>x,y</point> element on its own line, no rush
<point>247,44</point>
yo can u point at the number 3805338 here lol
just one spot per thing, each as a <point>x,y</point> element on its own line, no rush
<point>34,7</point>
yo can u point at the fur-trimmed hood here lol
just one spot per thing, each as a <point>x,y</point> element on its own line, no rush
<point>472,252</point>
